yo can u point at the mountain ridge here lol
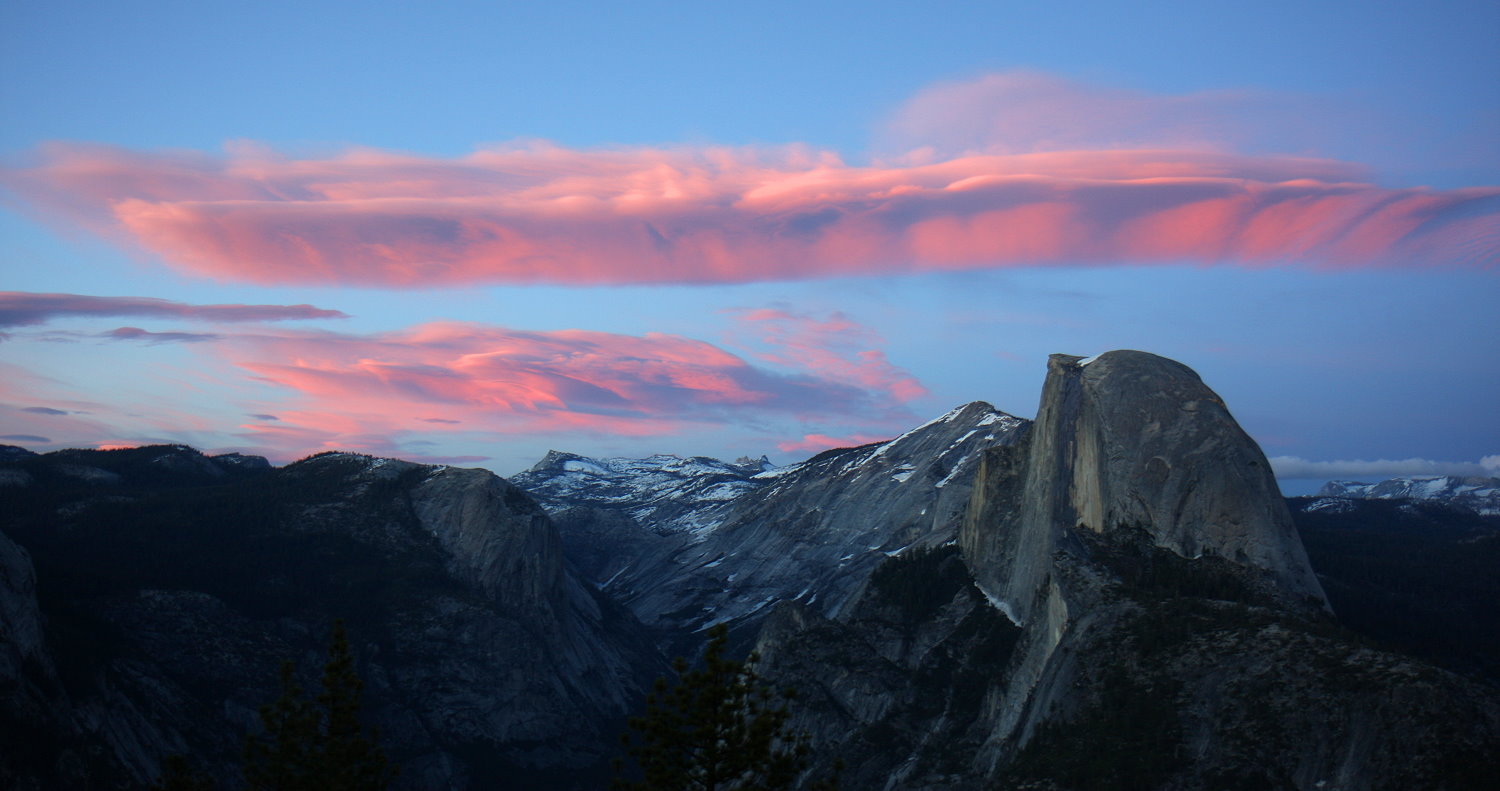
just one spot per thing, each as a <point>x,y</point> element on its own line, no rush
<point>485,656</point>
<point>1112,596</point>
<point>1477,493</point>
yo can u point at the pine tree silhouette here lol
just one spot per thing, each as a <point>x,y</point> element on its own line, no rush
<point>318,745</point>
<point>718,729</point>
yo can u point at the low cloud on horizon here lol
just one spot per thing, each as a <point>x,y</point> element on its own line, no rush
<point>1296,468</point>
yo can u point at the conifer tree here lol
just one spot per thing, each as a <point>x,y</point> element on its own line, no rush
<point>718,729</point>
<point>350,760</point>
<point>317,745</point>
<point>282,759</point>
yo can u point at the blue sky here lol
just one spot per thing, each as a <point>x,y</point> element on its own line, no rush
<point>741,323</point>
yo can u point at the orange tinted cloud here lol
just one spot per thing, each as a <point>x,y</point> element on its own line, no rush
<point>543,214</point>
<point>358,392</point>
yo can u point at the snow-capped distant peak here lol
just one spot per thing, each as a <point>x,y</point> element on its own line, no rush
<point>665,492</point>
<point>1480,494</point>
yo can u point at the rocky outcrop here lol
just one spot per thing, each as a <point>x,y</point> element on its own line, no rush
<point>814,531</point>
<point>1131,439</point>
<point>45,741</point>
<point>1130,609</point>
<point>1127,447</point>
<point>499,540</point>
<point>20,620</point>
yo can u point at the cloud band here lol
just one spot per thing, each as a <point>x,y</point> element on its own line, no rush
<point>542,214</point>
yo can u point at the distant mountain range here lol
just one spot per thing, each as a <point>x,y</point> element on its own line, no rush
<point>664,494</point>
<point>1481,495</point>
<point>661,536</point>
<point>1112,596</point>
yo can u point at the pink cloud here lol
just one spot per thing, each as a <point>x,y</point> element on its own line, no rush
<point>836,347</point>
<point>814,443</point>
<point>21,308</point>
<point>542,214</point>
<point>362,392</point>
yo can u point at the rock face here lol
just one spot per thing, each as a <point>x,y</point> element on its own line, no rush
<point>1111,598</point>
<point>27,677</point>
<point>498,540</point>
<point>619,514</point>
<point>171,593</point>
<point>663,494</point>
<point>20,621</point>
<point>812,532</point>
<point>1131,608</point>
<point>1481,495</point>
<point>1130,439</point>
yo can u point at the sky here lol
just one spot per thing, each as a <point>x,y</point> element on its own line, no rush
<point>467,233</point>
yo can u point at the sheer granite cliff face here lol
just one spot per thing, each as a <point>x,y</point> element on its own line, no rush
<point>1130,439</point>
<point>1128,608</point>
<point>497,539</point>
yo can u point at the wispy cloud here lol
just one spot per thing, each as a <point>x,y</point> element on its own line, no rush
<point>1372,471</point>
<point>44,410</point>
<point>355,390</point>
<point>544,214</point>
<point>1025,111</point>
<point>144,336</point>
<point>813,443</point>
<point>836,347</point>
<point>20,308</point>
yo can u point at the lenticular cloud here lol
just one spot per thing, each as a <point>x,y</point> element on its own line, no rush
<point>543,214</point>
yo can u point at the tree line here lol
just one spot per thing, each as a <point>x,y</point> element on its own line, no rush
<point>717,727</point>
